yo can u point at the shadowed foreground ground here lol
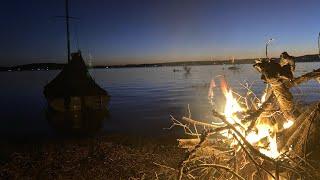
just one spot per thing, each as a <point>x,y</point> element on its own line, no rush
<point>107,157</point>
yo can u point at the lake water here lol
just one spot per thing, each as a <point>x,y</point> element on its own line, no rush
<point>142,99</point>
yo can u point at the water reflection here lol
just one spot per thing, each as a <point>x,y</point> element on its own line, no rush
<point>142,98</point>
<point>81,123</point>
<point>187,75</point>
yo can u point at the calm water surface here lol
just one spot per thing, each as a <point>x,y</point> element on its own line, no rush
<point>142,98</point>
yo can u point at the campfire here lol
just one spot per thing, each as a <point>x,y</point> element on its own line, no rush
<point>263,135</point>
<point>272,137</point>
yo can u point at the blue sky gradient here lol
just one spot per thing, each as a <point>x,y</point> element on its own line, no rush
<point>148,31</point>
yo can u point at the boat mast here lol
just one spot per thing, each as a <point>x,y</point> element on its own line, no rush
<point>68,32</point>
<point>319,45</point>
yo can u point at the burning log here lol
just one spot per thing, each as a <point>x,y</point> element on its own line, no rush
<point>271,139</point>
<point>280,77</point>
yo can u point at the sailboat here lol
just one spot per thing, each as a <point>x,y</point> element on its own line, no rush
<point>233,67</point>
<point>73,95</point>
<point>187,69</point>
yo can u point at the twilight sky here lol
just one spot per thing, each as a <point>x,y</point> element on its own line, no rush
<point>148,31</point>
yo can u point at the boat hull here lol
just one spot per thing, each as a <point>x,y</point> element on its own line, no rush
<point>79,115</point>
<point>77,103</point>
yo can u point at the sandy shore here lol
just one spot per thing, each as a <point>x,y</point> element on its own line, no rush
<point>104,157</point>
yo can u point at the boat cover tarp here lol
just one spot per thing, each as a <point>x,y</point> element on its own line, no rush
<point>73,80</point>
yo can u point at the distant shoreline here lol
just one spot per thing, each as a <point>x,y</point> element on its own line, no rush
<point>57,66</point>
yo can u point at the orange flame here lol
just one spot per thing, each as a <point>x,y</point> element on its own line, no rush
<point>224,85</point>
<point>264,134</point>
<point>232,106</point>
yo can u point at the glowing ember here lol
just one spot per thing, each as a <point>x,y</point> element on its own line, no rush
<point>264,131</point>
<point>287,124</point>
<point>272,150</point>
<point>263,99</point>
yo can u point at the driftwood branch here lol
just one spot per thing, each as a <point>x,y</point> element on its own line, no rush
<point>295,82</point>
<point>189,155</point>
<point>251,157</point>
<point>201,123</point>
<point>306,77</point>
<point>290,135</point>
<point>219,167</point>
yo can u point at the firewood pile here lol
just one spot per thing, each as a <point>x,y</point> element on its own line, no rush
<point>269,138</point>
